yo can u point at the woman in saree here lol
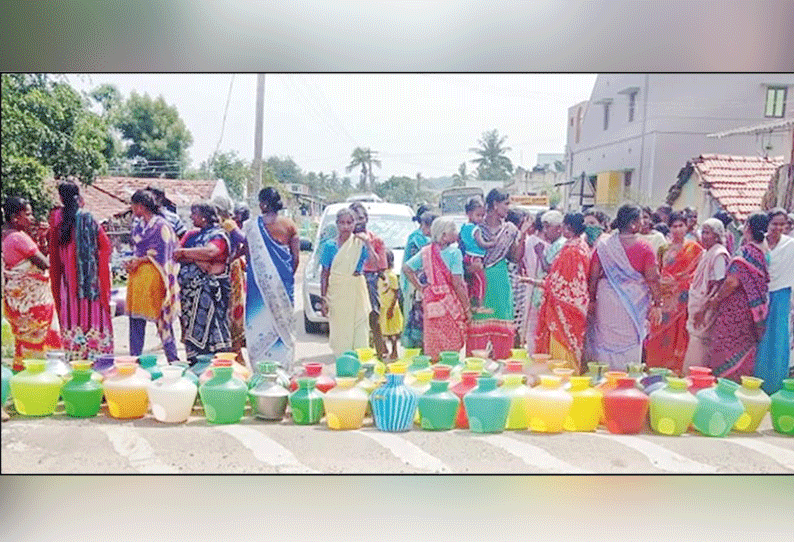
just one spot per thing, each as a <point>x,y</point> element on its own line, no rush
<point>345,299</point>
<point>444,295</point>
<point>152,290</point>
<point>772,363</point>
<point>708,275</point>
<point>80,270</point>
<point>667,341</point>
<point>495,331</point>
<point>623,284</point>
<point>741,306</point>
<point>272,257</point>
<point>225,210</point>
<point>412,302</point>
<point>563,316</point>
<point>204,286</point>
<point>535,245</point>
<point>516,270</point>
<point>27,298</point>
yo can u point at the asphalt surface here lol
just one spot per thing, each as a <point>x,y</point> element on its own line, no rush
<point>60,444</point>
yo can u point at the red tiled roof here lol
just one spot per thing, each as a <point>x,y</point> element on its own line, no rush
<point>102,205</point>
<point>738,183</point>
<point>182,192</point>
<point>110,196</point>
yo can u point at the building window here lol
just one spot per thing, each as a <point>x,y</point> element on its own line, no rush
<point>775,102</point>
<point>632,104</point>
<point>578,124</point>
<point>606,115</point>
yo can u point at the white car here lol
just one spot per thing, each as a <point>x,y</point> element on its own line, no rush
<point>391,222</point>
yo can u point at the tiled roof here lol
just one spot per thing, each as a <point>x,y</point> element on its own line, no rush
<point>738,183</point>
<point>182,192</point>
<point>102,205</point>
<point>110,196</point>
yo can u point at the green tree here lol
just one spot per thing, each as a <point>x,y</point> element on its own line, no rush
<point>47,130</point>
<point>492,164</point>
<point>285,170</point>
<point>323,183</point>
<point>398,190</point>
<point>156,137</point>
<point>111,101</point>
<point>109,97</point>
<point>235,172</point>
<point>460,178</point>
<point>365,159</point>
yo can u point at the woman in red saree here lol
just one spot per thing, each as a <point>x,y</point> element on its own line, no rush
<point>562,320</point>
<point>27,299</point>
<point>668,339</point>
<point>445,297</point>
<point>80,270</point>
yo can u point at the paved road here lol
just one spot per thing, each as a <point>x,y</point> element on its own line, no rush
<point>59,444</point>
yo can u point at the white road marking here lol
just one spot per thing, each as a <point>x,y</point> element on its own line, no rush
<point>408,452</point>
<point>781,455</point>
<point>659,456</point>
<point>531,455</point>
<point>128,443</point>
<point>266,449</point>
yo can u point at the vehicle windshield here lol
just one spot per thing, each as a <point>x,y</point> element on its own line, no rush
<point>393,229</point>
<point>454,201</point>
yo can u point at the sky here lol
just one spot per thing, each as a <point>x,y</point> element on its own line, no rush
<point>417,123</point>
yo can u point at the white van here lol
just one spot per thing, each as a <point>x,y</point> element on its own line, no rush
<point>391,222</point>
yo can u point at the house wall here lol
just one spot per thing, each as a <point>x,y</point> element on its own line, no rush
<point>672,116</point>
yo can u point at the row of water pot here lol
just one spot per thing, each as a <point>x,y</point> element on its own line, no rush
<point>478,394</point>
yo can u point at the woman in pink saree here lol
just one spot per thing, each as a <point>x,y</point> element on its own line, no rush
<point>445,297</point>
<point>741,305</point>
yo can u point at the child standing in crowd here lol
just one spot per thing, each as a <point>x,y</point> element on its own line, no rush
<point>473,247</point>
<point>391,317</point>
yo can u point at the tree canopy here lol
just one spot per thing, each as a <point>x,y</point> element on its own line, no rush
<point>285,170</point>
<point>48,130</point>
<point>460,178</point>
<point>155,136</point>
<point>235,172</point>
<point>365,159</point>
<point>492,163</point>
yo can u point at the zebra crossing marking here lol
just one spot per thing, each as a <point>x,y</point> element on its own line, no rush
<point>408,452</point>
<point>136,449</point>
<point>266,449</point>
<point>782,456</point>
<point>531,455</point>
<point>659,456</point>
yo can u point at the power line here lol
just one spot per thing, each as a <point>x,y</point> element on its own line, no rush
<point>223,124</point>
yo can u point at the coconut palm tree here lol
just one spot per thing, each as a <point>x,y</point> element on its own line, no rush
<point>460,178</point>
<point>492,164</point>
<point>365,159</point>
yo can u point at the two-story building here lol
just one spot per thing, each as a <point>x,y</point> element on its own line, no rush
<point>630,139</point>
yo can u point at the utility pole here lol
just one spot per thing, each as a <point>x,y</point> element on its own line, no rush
<point>255,182</point>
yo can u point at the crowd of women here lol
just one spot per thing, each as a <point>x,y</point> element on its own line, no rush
<point>656,287</point>
<point>57,293</point>
<point>652,287</point>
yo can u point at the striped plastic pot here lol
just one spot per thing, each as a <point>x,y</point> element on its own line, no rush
<point>393,404</point>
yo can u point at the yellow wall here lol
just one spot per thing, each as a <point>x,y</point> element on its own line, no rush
<point>608,187</point>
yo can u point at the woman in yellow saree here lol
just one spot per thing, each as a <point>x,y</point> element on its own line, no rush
<point>343,287</point>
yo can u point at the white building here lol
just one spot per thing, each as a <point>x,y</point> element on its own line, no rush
<point>630,139</point>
